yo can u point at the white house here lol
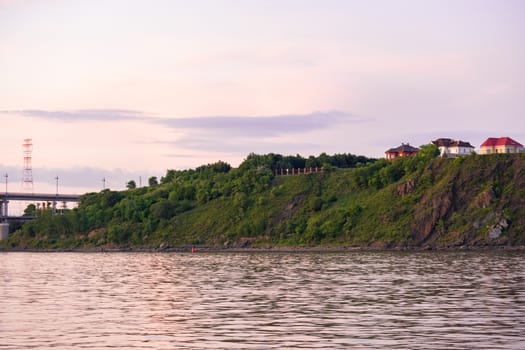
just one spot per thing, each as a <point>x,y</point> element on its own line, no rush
<point>453,148</point>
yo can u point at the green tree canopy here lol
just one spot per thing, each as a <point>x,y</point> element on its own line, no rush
<point>153,181</point>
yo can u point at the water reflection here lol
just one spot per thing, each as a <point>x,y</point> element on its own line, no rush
<point>430,300</point>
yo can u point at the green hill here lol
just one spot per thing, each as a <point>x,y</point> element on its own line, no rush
<point>408,203</point>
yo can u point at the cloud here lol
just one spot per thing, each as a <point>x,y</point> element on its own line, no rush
<point>207,126</point>
<point>82,114</point>
<point>262,126</point>
<point>240,135</point>
<point>219,135</point>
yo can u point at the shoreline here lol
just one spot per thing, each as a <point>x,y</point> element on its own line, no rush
<point>269,249</point>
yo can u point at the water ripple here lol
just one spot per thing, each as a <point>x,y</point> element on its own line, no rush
<point>365,300</point>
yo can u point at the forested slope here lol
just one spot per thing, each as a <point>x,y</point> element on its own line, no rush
<point>411,202</point>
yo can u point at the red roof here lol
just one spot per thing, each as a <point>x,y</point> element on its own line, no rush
<point>502,141</point>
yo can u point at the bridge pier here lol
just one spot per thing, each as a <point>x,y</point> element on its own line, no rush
<point>5,210</point>
<point>4,230</point>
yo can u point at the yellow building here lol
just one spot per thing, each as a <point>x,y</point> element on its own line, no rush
<point>500,145</point>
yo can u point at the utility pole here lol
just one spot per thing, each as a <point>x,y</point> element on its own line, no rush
<point>3,205</point>
<point>103,183</point>
<point>56,198</point>
<point>27,180</point>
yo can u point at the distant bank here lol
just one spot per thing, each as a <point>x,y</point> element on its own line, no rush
<point>420,203</point>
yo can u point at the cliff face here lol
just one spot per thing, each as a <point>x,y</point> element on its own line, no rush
<point>473,201</point>
<point>479,201</point>
<point>417,202</point>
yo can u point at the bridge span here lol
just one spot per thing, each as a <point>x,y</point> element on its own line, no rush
<point>52,199</point>
<point>39,197</point>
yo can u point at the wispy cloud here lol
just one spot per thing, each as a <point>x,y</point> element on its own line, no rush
<point>81,114</point>
<point>263,126</point>
<point>236,134</point>
<point>239,135</point>
<point>232,125</point>
<point>259,126</point>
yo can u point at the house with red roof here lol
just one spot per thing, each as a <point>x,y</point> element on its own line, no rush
<point>405,150</point>
<point>494,145</point>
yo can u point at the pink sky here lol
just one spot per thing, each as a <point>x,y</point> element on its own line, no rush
<point>121,89</point>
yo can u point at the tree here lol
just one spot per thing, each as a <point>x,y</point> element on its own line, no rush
<point>30,210</point>
<point>312,162</point>
<point>428,151</point>
<point>131,185</point>
<point>109,198</point>
<point>170,175</point>
<point>153,181</point>
<point>162,210</point>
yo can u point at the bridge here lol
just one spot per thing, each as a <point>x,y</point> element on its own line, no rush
<point>46,198</point>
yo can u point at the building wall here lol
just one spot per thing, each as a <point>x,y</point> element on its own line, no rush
<point>455,151</point>
<point>462,151</point>
<point>390,156</point>
<point>486,150</point>
<point>393,155</point>
<point>407,154</point>
<point>499,149</point>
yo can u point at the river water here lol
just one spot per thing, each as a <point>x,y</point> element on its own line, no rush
<point>276,300</point>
